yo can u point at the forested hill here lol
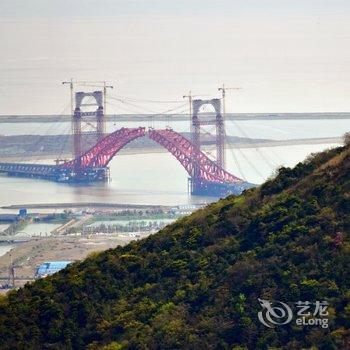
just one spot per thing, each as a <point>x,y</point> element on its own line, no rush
<point>196,283</point>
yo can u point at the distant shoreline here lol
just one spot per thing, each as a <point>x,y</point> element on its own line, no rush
<point>178,117</point>
<point>85,205</point>
<point>149,150</point>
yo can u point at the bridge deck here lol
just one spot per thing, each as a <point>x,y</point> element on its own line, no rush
<point>29,170</point>
<point>206,176</point>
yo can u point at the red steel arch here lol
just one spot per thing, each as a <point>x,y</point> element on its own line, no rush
<point>102,153</point>
<point>191,157</point>
<point>196,163</point>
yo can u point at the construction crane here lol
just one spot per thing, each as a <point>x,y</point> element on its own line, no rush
<point>71,85</point>
<point>223,90</point>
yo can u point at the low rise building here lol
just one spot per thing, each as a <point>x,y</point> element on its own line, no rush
<point>50,267</point>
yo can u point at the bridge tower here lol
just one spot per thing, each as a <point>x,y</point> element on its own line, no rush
<point>96,119</point>
<point>196,185</point>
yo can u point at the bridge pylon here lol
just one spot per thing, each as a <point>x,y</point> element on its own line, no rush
<point>95,118</point>
<point>197,185</point>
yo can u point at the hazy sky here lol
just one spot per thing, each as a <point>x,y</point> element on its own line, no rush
<point>287,55</point>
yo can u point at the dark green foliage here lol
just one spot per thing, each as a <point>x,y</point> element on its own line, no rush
<point>195,284</point>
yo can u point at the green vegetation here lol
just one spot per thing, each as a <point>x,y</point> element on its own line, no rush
<point>127,226</point>
<point>117,227</point>
<point>196,283</point>
<point>129,215</point>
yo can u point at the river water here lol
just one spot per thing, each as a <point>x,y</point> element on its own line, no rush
<point>37,229</point>
<point>158,178</point>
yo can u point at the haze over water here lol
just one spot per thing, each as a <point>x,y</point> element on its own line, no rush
<point>289,56</point>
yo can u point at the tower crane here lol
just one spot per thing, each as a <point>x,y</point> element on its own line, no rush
<point>223,90</point>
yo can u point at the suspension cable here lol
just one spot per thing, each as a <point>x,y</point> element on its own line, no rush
<point>272,167</point>
<point>48,128</point>
<point>149,110</point>
<point>149,101</point>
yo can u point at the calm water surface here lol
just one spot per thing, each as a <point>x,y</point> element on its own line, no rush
<point>156,178</point>
<point>38,229</point>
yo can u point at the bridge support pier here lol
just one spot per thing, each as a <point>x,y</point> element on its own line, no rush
<point>213,189</point>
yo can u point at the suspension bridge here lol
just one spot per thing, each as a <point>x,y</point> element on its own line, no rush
<point>205,176</point>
